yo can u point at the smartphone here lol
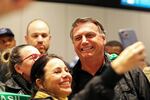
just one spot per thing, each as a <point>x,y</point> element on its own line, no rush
<point>127,37</point>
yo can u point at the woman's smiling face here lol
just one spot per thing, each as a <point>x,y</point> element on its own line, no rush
<point>57,78</point>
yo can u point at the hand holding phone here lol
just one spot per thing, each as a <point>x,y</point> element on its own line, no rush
<point>127,37</point>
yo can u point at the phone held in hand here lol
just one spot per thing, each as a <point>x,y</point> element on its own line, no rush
<point>127,37</point>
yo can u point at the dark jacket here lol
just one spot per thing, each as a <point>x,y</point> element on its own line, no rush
<point>101,87</point>
<point>16,84</point>
<point>133,86</point>
<point>5,72</point>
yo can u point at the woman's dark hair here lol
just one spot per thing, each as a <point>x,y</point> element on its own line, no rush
<point>37,70</point>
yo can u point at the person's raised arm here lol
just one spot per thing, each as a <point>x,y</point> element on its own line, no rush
<point>102,87</point>
<point>131,57</point>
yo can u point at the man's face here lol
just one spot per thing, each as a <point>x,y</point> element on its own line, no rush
<point>38,35</point>
<point>7,42</point>
<point>28,60</point>
<point>88,40</point>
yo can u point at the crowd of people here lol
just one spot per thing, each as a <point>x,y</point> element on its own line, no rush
<point>32,70</point>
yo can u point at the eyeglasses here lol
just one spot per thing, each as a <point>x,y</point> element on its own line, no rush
<point>33,56</point>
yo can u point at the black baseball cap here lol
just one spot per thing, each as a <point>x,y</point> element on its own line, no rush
<point>6,31</point>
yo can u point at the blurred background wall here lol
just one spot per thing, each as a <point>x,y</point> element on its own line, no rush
<point>60,17</point>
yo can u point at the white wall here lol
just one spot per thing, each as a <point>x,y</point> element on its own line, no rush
<point>60,17</point>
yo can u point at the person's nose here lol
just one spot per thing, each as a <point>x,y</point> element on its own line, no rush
<point>66,74</point>
<point>84,39</point>
<point>7,43</point>
<point>40,38</point>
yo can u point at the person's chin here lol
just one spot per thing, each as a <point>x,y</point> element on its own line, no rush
<point>67,91</point>
<point>87,55</point>
<point>42,51</point>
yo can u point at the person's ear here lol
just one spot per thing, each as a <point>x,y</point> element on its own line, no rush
<point>50,37</point>
<point>39,84</point>
<point>18,69</point>
<point>14,42</point>
<point>26,38</point>
<point>104,38</point>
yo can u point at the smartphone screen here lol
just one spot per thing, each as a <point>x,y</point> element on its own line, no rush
<point>127,37</point>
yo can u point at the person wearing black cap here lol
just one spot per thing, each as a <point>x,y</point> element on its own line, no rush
<point>7,39</point>
<point>7,42</point>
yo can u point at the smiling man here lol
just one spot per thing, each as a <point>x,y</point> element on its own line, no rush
<point>88,38</point>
